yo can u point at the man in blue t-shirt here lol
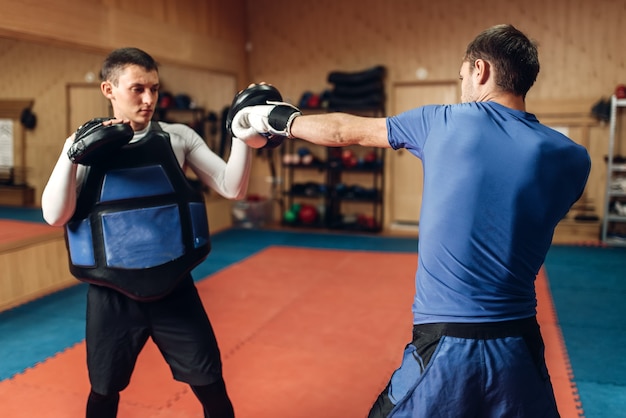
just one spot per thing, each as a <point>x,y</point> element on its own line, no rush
<point>496,183</point>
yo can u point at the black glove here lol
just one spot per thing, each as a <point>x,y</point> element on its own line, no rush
<point>259,117</point>
<point>94,142</point>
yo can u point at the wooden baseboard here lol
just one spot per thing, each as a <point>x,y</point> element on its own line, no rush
<point>570,231</point>
<point>17,196</point>
<point>32,269</point>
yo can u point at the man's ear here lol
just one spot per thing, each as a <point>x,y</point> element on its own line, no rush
<point>482,71</point>
<point>107,89</point>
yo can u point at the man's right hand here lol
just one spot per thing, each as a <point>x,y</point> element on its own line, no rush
<point>259,117</point>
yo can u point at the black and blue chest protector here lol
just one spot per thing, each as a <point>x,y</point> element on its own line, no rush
<point>139,226</point>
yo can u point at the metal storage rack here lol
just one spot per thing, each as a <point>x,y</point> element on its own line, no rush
<point>614,219</point>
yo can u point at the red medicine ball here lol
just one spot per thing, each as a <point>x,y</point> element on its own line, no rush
<point>307,214</point>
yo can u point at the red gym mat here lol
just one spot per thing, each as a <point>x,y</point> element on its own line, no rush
<point>304,333</point>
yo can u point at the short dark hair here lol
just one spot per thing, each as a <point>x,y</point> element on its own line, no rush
<point>513,55</point>
<point>115,62</point>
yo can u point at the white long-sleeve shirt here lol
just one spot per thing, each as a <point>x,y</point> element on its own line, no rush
<point>229,179</point>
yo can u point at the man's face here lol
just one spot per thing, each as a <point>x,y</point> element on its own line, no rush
<point>135,96</point>
<point>467,84</point>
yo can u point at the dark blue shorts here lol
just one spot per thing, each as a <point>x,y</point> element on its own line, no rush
<point>118,328</point>
<point>489,370</point>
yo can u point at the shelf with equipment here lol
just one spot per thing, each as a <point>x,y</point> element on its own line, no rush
<point>356,187</point>
<point>614,219</point>
<point>334,188</point>
<point>305,193</point>
<point>337,187</point>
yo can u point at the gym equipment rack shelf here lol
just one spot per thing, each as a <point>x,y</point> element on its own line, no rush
<point>346,193</point>
<point>614,219</point>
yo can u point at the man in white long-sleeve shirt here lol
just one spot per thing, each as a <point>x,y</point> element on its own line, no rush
<point>135,229</point>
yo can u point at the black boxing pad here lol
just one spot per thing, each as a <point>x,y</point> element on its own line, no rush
<point>95,142</point>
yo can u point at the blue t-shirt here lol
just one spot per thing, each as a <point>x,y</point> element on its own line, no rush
<point>496,183</point>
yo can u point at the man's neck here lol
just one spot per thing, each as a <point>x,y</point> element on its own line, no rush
<point>506,99</point>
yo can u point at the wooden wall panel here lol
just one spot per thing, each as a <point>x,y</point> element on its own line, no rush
<point>217,19</point>
<point>296,44</point>
<point>200,33</point>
